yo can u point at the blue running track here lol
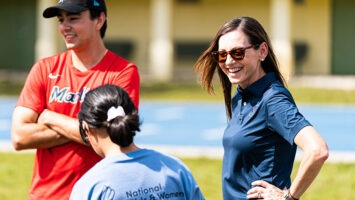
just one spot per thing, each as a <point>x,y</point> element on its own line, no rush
<point>200,124</point>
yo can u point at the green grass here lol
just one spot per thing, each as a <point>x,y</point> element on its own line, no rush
<point>10,88</point>
<point>15,173</point>
<point>334,182</point>
<point>193,92</point>
<point>325,96</point>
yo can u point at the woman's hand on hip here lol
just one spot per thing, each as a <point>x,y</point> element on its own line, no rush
<point>264,190</point>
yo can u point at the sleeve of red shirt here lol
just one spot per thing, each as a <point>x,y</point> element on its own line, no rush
<point>33,93</point>
<point>129,80</point>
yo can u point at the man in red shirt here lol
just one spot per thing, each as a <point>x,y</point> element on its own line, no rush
<point>45,117</point>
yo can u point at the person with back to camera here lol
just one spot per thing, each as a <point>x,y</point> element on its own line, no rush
<point>45,115</point>
<point>108,122</point>
<point>264,125</point>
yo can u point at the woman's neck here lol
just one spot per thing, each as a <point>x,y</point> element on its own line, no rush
<point>114,149</point>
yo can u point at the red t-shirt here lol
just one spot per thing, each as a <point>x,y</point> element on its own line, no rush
<point>55,84</point>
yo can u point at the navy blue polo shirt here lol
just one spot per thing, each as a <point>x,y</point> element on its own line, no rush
<point>258,140</point>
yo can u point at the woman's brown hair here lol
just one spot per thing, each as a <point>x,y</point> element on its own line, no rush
<point>206,66</point>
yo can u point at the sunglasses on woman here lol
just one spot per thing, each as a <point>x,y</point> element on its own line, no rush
<point>237,54</point>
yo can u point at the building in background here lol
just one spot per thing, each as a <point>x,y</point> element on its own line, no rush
<point>165,37</point>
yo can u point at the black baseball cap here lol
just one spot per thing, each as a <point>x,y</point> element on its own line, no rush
<point>75,6</point>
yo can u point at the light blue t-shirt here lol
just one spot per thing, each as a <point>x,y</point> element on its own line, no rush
<point>142,174</point>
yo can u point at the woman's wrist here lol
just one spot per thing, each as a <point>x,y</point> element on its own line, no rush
<point>288,196</point>
<point>294,198</point>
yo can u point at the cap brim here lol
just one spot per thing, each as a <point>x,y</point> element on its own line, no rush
<point>54,10</point>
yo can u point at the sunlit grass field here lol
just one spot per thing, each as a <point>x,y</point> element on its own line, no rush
<point>193,92</point>
<point>334,182</point>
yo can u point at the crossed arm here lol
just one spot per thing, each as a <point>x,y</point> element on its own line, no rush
<point>31,130</point>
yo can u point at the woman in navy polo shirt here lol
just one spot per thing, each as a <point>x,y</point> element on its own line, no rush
<point>264,125</point>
